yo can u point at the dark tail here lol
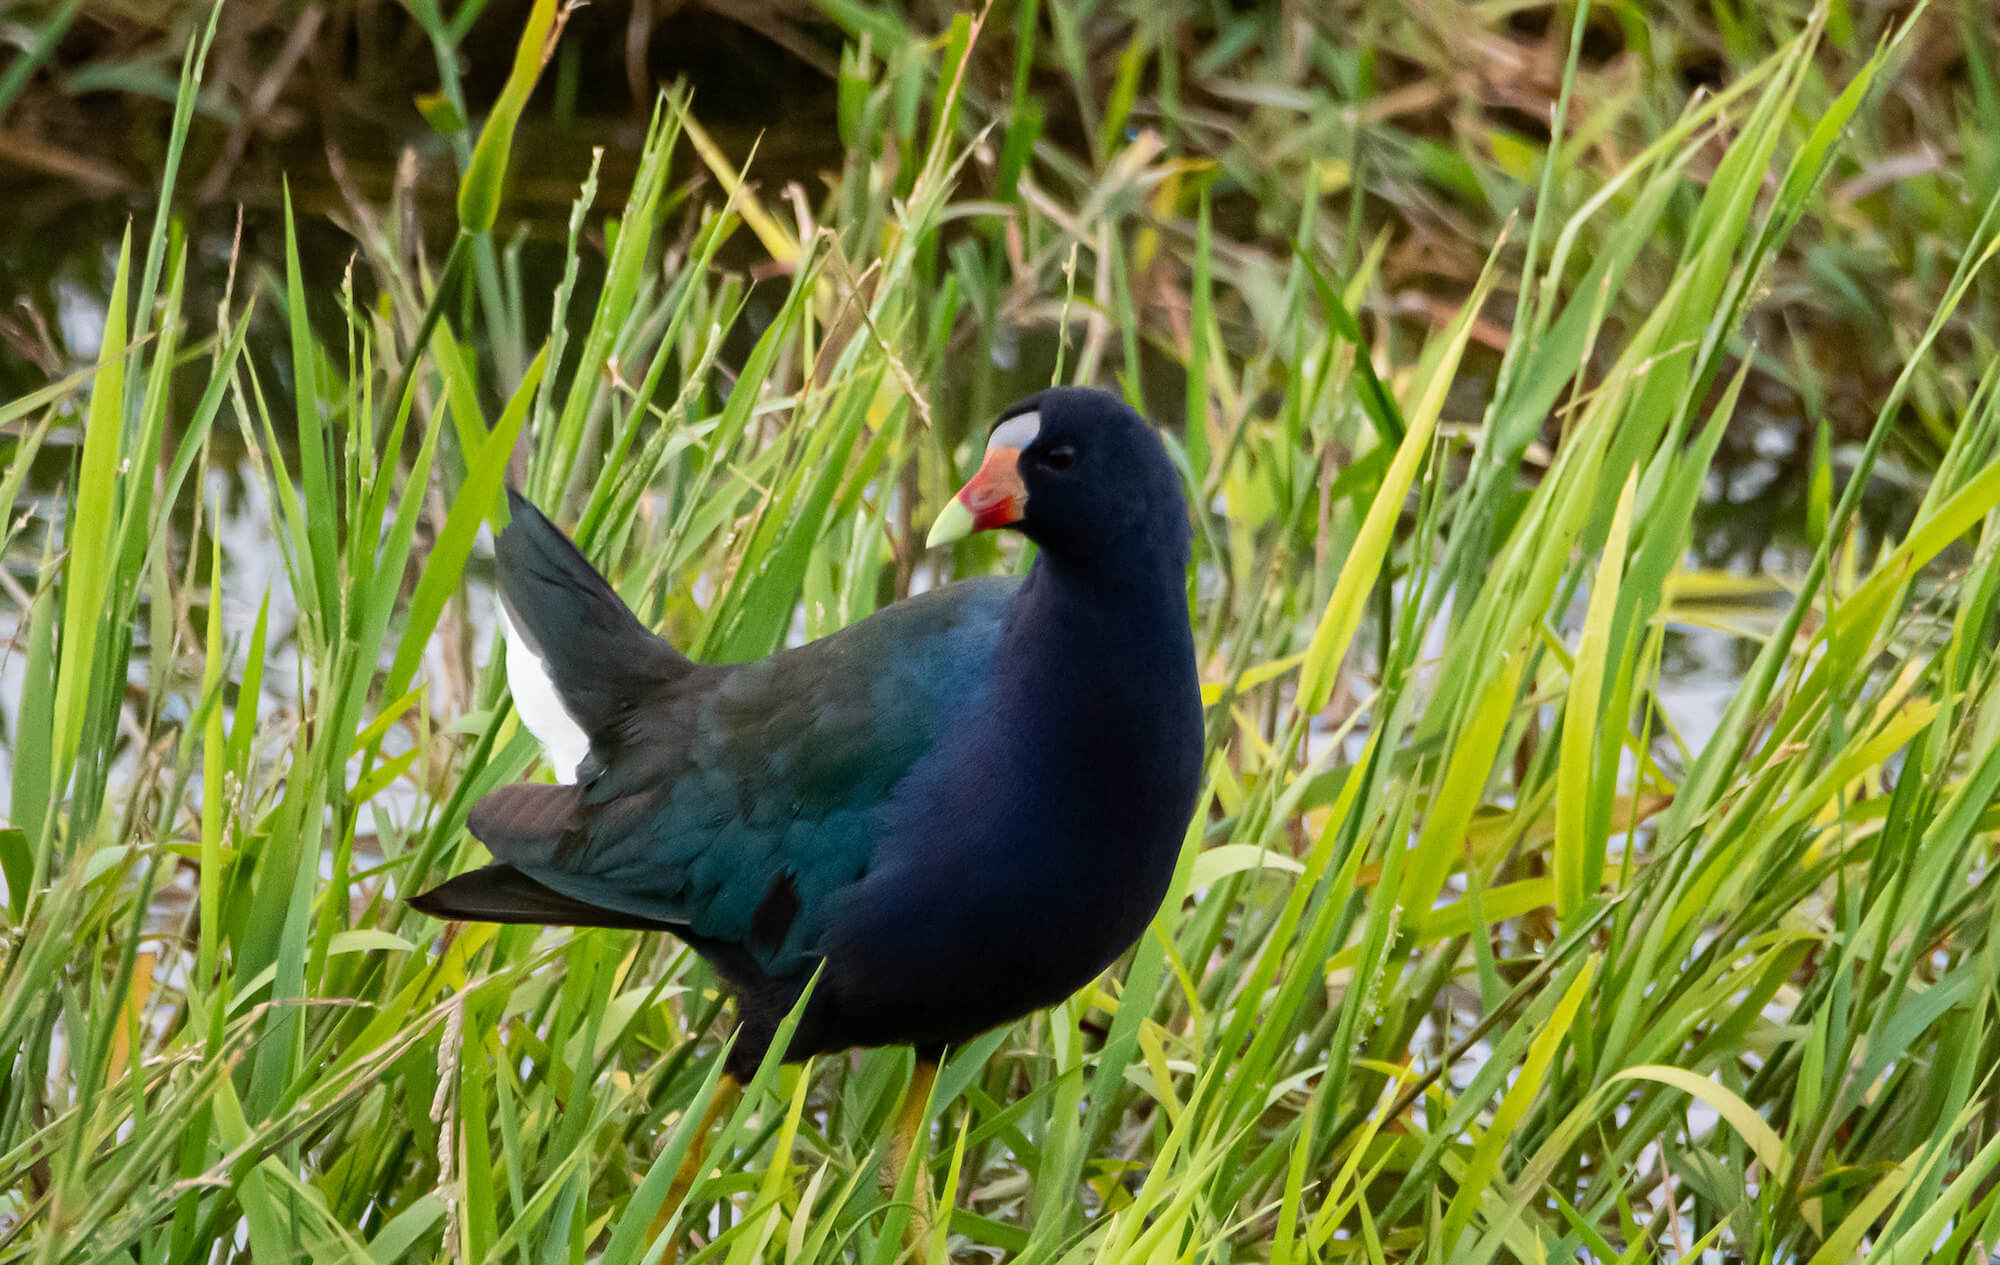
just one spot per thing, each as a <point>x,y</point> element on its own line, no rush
<point>501,893</point>
<point>594,665</point>
<point>599,657</point>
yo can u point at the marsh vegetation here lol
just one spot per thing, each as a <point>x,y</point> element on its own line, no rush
<point>1593,419</point>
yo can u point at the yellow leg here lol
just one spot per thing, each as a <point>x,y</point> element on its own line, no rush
<point>904,1147</point>
<point>694,1163</point>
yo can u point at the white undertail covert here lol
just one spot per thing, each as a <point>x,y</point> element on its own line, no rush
<point>541,708</point>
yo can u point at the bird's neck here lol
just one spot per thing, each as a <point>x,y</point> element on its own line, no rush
<point>1104,618</point>
<point>1101,666</point>
<point>1150,588</point>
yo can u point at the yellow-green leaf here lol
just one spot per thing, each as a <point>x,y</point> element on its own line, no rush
<point>87,575</point>
<point>1579,851</point>
<point>479,189</point>
<point>1762,1139</point>
<point>1491,1146</point>
<point>1371,547</point>
<point>1234,858</point>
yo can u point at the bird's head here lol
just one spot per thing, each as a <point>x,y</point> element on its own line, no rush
<point>1076,471</point>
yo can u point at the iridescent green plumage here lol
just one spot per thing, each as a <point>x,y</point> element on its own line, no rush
<point>715,791</point>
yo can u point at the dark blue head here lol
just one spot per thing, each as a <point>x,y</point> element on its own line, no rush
<point>1083,476</point>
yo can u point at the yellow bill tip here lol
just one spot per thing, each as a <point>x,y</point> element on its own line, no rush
<point>955,523</point>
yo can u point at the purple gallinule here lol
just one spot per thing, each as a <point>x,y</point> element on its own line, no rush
<point>959,810</point>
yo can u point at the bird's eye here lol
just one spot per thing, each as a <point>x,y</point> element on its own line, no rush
<point>1061,457</point>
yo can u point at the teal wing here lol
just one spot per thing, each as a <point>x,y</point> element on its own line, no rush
<point>743,797</point>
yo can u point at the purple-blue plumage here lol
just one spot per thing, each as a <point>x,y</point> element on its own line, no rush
<point>965,806</point>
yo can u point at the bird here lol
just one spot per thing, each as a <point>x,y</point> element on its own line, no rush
<point>948,815</point>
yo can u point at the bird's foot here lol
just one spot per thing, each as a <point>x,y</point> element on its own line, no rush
<point>692,1165</point>
<point>906,1152</point>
